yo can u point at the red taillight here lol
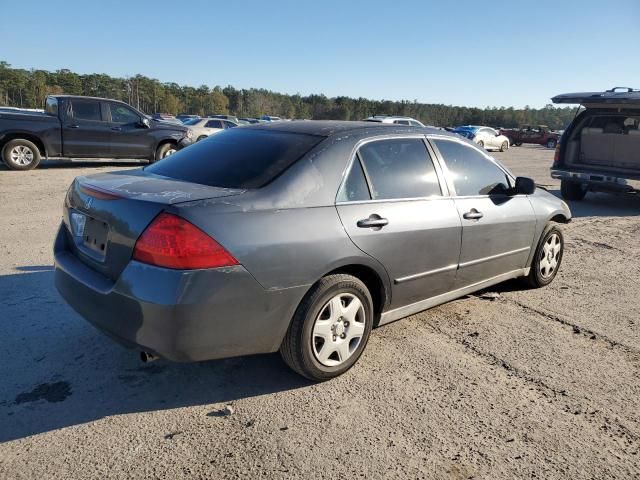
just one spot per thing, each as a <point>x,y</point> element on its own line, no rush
<point>172,242</point>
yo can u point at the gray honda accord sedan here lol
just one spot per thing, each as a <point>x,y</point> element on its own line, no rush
<point>298,237</point>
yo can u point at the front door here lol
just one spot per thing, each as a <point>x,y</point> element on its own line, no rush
<point>497,228</point>
<point>129,137</point>
<point>394,208</point>
<point>86,132</point>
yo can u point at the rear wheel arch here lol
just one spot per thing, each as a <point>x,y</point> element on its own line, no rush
<point>24,136</point>
<point>380,293</point>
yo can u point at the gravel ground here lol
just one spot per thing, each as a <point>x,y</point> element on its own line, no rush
<point>531,384</point>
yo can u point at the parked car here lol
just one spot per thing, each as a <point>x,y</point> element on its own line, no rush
<point>536,134</point>
<point>395,120</point>
<point>485,137</point>
<point>183,117</point>
<point>256,240</point>
<point>203,127</point>
<point>231,118</point>
<point>166,117</point>
<point>270,118</point>
<point>600,149</point>
<point>86,127</point>
<point>250,120</point>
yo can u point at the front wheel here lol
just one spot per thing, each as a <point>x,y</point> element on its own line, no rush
<point>572,190</point>
<point>330,328</point>
<point>21,154</point>
<point>551,143</point>
<point>504,147</point>
<point>165,150</point>
<point>481,144</point>
<point>547,259</point>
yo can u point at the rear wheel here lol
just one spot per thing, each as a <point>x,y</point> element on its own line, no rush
<point>548,257</point>
<point>481,144</point>
<point>572,190</point>
<point>21,154</point>
<point>518,144</point>
<point>504,147</point>
<point>330,328</point>
<point>551,143</point>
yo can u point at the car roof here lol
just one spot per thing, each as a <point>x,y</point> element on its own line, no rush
<point>327,128</point>
<point>612,96</point>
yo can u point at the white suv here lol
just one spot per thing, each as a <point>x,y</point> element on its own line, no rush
<point>397,120</point>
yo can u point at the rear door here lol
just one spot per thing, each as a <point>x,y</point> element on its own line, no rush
<point>129,138</point>
<point>86,133</point>
<point>497,228</point>
<point>395,208</point>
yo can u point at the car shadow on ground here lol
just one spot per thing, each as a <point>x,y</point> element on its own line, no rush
<point>604,205</point>
<point>58,371</point>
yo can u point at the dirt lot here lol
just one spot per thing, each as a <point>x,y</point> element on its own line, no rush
<point>542,384</point>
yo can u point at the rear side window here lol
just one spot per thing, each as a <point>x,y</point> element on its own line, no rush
<point>355,187</point>
<point>214,124</point>
<point>472,173</point>
<point>399,168</point>
<point>86,110</point>
<point>237,158</point>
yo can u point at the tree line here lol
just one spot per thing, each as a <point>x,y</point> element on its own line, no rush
<point>27,89</point>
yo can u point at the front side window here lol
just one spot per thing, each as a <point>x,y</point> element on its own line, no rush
<point>122,114</point>
<point>400,168</point>
<point>229,125</point>
<point>401,122</point>
<point>472,173</point>
<point>355,187</point>
<point>86,110</point>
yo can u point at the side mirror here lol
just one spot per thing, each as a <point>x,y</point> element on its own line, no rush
<point>144,122</point>
<point>524,186</point>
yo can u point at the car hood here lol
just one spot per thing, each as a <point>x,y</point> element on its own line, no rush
<point>631,97</point>
<point>162,125</point>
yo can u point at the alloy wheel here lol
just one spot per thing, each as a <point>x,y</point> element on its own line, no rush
<point>21,155</point>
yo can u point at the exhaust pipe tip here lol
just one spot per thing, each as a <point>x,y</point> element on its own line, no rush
<point>147,357</point>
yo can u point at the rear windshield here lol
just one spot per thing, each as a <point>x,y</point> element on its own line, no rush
<point>237,158</point>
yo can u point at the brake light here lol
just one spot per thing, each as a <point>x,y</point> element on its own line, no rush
<point>171,241</point>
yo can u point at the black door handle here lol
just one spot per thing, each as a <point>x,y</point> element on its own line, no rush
<point>116,129</point>
<point>473,214</point>
<point>73,126</point>
<point>374,221</point>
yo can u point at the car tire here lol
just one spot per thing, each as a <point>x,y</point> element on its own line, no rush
<point>551,143</point>
<point>572,190</point>
<point>547,259</point>
<point>165,150</point>
<point>504,147</point>
<point>21,154</point>
<point>518,144</point>
<point>481,144</point>
<point>326,337</point>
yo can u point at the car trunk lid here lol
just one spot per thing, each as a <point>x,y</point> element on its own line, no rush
<point>106,213</point>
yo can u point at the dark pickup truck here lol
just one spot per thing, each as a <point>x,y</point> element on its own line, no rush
<point>86,128</point>
<point>536,134</point>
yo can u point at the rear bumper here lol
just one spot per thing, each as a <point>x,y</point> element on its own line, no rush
<point>179,315</point>
<point>599,181</point>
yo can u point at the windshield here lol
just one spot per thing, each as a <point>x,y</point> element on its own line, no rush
<point>237,158</point>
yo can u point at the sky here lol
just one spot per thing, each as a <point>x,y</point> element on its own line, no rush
<point>472,53</point>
